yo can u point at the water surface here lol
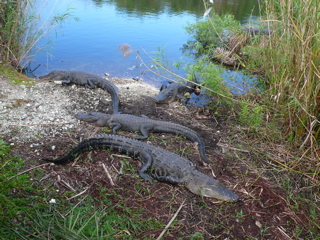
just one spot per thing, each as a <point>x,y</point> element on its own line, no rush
<point>91,44</point>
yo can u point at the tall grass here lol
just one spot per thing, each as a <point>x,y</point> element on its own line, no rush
<point>21,28</point>
<point>290,59</point>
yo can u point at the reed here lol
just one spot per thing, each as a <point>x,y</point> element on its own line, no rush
<point>11,14</point>
<point>290,59</point>
<point>21,27</point>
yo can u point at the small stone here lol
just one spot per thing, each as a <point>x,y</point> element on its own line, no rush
<point>258,224</point>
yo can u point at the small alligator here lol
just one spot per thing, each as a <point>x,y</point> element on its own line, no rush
<point>170,92</point>
<point>88,80</point>
<point>133,123</point>
<point>256,31</point>
<point>157,163</point>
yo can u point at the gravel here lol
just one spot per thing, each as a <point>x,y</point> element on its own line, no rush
<point>48,108</point>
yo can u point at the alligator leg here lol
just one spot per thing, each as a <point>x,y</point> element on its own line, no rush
<point>91,83</point>
<point>146,158</point>
<point>116,126</point>
<point>66,82</point>
<point>144,129</point>
<point>184,100</point>
<point>163,86</point>
<point>168,179</point>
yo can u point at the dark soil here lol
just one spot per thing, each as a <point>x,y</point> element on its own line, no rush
<point>261,213</point>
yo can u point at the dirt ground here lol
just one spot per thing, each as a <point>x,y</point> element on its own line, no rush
<point>38,122</point>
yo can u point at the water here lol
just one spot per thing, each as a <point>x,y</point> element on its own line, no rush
<point>91,44</point>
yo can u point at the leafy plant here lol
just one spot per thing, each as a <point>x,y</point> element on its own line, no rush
<point>251,115</point>
<point>210,33</point>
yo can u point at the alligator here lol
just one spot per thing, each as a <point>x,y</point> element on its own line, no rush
<point>88,80</point>
<point>133,123</point>
<point>170,92</point>
<point>157,163</point>
<point>257,31</point>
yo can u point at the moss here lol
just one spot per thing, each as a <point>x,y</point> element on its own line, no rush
<point>14,76</point>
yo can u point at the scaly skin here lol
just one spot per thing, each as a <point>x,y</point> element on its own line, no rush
<point>157,164</point>
<point>88,80</point>
<point>171,91</point>
<point>143,124</point>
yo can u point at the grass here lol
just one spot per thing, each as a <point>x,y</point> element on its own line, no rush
<point>27,214</point>
<point>288,62</point>
<point>85,222</point>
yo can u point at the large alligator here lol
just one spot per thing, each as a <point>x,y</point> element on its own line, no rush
<point>170,92</point>
<point>88,80</point>
<point>157,164</point>
<point>133,123</point>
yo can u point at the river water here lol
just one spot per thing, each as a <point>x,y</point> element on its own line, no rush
<point>91,43</point>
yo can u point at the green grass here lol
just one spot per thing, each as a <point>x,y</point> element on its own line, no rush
<point>18,195</point>
<point>86,222</point>
<point>27,214</point>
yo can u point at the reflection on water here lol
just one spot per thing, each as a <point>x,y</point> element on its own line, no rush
<point>91,44</point>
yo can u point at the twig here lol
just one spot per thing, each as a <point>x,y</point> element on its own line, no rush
<point>108,174</point>
<point>75,206</point>
<point>77,195</point>
<point>68,185</point>
<point>232,148</point>
<point>170,222</point>
<point>28,170</point>
<point>121,168</point>
<point>117,155</point>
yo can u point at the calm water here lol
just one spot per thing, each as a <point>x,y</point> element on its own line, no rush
<point>90,44</point>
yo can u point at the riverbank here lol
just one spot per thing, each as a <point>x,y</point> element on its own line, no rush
<point>38,122</point>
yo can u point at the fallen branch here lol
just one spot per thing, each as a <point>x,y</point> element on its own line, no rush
<point>108,174</point>
<point>232,148</point>
<point>169,223</point>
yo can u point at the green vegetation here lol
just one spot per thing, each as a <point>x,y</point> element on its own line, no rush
<point>26,211</point>
<point>287,112</point>
<point>16,191</point>
<point>11,74</point>
<point>210,33</point>
<point>19,31</point>
<point>288,62</point>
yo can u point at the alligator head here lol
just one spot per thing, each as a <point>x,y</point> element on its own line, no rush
<point>55,75</point>
<point>206,186</point>
<point>96,118</point>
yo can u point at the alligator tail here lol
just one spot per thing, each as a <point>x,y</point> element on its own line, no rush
<point>191,135</point>
<point>84,146</point>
